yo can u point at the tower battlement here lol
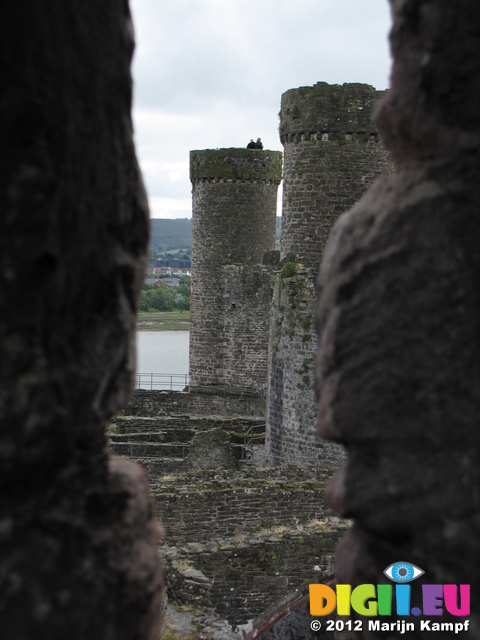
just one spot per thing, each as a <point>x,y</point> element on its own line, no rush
<point>235,165</point>
<point>325,108</point>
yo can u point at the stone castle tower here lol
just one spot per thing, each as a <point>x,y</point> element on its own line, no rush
<point>332,154</point>
<point>234,223</point>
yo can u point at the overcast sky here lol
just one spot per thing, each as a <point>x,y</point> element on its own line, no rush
<point>210,74</point>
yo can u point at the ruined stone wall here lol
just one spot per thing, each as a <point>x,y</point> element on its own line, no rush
<point>333,152</point>
<point>233,224</point>
<point>236,537</point>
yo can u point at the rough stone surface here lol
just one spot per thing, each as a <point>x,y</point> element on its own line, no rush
<point>77,535</point>
<point>206,402</point>
<point>326,109</point>
<point>328,165</point>
<point>233,225</point>
<point>241,577</point>
<point>237,537</point>
<point>203,506</point>
<point>333,152</point>
<point>196,623</point>
<point>398,374</point>
<point>173,445</point>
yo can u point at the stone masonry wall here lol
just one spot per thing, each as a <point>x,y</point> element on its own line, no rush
<point>290,435</point>
<point>241,577</point>
<point>246,301</point>
<point>233,222</point>
<point>237,537</point>
<point>324,178</point>
<point>333,152</point>
<point>206,505</point>
<point>163,403</point>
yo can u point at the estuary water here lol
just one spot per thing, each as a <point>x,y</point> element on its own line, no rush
<point>162,359</point>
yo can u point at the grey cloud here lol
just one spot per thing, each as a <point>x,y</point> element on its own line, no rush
<point>210,73</point>
<point>195,55</point>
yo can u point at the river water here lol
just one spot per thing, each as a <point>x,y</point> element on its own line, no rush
<point>162,359</point>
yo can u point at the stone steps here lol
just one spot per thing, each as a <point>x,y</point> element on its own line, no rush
<point>256,436</point>
<point>225,442</point>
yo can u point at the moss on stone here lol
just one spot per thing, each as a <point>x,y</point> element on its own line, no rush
<point>236,164</point>
<point>288,270</point>
<point>322,107</point>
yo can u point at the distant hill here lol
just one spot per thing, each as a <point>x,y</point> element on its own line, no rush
<point>169,235</point>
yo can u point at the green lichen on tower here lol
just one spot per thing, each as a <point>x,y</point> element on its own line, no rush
<point>335,108</point>
<point>236,164</point>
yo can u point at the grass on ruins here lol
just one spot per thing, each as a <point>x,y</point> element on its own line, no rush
<point>163,321</point>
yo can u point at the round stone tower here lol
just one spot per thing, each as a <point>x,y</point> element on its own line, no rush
<point>233,224</point>
<point>332,154</point>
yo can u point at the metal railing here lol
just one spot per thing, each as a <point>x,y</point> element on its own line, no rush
<point>247,448</point>
<point>161,381</point>
<point>250,439</point>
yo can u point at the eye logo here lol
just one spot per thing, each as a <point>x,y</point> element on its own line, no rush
<point>403,572</point>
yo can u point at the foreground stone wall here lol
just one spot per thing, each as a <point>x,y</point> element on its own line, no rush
<point>78,542</point>
<point>399,316</point>
<point>333,152</point>
<point>233,225</point>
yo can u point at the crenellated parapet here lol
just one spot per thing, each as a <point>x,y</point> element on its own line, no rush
<point>321,111</point>
<point>235,165</point>
<point>330,136</point>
